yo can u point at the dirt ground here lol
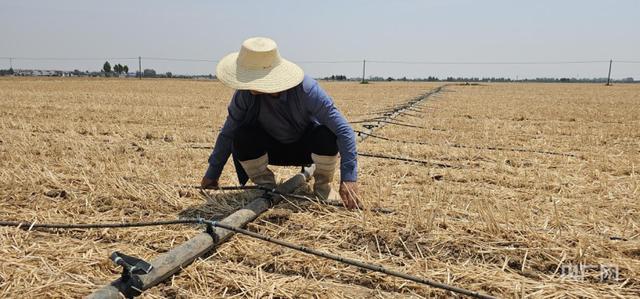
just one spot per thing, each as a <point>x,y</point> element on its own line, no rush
<point>533,191</point>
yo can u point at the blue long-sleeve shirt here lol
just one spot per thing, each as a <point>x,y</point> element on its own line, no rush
<point>296,109</point>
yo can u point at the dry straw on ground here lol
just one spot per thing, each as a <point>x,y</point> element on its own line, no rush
<point>505,223</point>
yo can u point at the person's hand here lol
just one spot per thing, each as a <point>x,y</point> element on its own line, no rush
<point>208,183</point>
<point>349,195</point>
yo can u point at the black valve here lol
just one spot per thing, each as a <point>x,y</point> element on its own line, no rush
<point>131,285</point>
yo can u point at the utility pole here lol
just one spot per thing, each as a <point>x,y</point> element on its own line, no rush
<point>140,67</point>
<point>609,76</point>
<point>10,62</point>
<point>364,63</point>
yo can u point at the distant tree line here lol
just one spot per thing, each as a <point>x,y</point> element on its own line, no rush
<point>337,78</point>
<point>108,70</point>
<point>8,72</point>
<point>481,79</point>
<point>117,69</point>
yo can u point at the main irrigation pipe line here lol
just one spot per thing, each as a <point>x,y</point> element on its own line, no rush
<point>326,255</point>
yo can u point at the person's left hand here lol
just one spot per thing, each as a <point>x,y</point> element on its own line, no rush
<point>349,195</point>
<point>208,183</point>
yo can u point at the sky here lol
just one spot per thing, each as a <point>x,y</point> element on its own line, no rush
<point>457,31</point>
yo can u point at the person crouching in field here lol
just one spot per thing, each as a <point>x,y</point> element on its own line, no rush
<point>280,116</point>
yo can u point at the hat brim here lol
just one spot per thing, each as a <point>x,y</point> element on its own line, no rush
<point>278,78</point>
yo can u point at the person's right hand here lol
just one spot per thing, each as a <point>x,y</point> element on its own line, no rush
<point>208,183</point>
<point>349,195</point>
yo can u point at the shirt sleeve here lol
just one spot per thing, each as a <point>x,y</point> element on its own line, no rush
<point>237,112</point>
<point>321,106</point>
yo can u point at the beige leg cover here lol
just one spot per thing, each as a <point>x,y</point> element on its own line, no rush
<point>323,176</point>
<point>258,172</point>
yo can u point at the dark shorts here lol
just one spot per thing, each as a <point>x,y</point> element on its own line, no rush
<point>253,141</point>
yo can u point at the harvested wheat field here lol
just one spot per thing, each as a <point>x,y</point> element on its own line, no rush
<point>524,190</point>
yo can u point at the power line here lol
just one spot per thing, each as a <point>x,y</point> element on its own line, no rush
<point>68,58</point>
<point>329,61</point>
<point>179,59</point>
<point>486,62</point>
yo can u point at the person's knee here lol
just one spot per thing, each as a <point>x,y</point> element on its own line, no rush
<point>324,142</point>
<point>243,137</point>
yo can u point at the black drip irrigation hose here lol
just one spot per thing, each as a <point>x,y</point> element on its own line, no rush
<point>423,162</point>
<point>29,226</point>
<point>296,196</point>
<point>399,110</point>
<point>389,139</point>
<point>405,114</point>
<point>490,148</point>
<point>210,223</point>
<point>390,112</point>
<point>201,146</point>
<point>387,122</point>
<point>497,148</point>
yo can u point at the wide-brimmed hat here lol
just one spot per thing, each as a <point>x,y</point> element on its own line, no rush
<point>258,66</point>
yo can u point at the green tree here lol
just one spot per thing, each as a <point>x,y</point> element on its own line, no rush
<point>106,67</point>
<point>125,69</point>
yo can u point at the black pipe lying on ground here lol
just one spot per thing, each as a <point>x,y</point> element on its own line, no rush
<point>423,162</point>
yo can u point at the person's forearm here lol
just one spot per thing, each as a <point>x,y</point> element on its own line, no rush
<point>348,154</point>
<point>218,157</point>
<point>349,171</point>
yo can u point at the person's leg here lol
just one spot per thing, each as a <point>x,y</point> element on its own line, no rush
<point>250,146</point>
<point>255,149</point>
<point>324,154</point>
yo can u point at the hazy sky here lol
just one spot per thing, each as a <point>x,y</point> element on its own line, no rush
<point>438,31</point>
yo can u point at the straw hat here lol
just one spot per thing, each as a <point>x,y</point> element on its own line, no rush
<point>258,66</point>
